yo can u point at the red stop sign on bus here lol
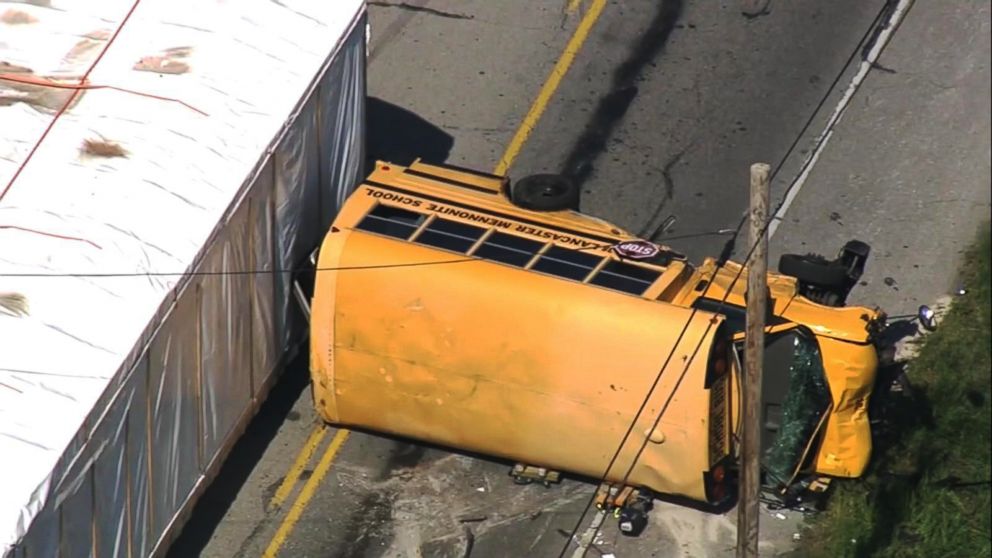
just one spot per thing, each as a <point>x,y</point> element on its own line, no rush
<point>636,249</point>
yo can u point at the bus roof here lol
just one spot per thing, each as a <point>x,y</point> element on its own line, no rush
<point>468,213</point>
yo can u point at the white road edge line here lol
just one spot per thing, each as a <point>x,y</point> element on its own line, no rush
<point>586,540</point>
<point>808,164</point>
<point>883,39</point>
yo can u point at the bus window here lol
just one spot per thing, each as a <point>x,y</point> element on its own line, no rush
<point>570,264</point>
<point>450,235</point>
<point>508,249</point>
<point>625,277</point>
<point>391,221</point>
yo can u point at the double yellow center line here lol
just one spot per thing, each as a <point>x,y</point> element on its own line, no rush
<point>309,489</point>
<point>299,464</point>
<point>313,442</point>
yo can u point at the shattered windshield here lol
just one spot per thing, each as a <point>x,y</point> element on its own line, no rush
<point>801,406</point>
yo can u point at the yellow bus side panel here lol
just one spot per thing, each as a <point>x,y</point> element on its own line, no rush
<point>539,369</point>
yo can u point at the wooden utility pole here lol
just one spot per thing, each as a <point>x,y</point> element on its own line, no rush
<point>754,349</point>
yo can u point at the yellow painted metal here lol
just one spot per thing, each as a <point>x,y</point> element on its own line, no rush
<point>481,181</point>
<point>486,357</point>
<point>491,358</point>
<point>506,362</point>
<point>850,361</point>
<point>846,445</point>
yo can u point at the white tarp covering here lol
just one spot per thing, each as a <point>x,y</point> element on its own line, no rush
<point>212,137</point>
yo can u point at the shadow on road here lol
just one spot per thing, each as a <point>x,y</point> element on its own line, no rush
<point>899,330</point>
<point>399,136</point>
<point>246,453</point>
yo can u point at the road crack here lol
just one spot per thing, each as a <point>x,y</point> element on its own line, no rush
<point>648,231</point>
<point>422,9</point>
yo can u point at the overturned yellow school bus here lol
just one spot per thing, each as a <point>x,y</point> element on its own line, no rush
<point>450,309</point>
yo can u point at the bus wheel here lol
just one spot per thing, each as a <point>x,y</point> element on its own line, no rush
<point>822,281</point>
<point>814,269</point>
<point>545,192</point>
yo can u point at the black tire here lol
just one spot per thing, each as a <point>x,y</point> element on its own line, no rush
<point>814,270</point>
<point>545,192</point>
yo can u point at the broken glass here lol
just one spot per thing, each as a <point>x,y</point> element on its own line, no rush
<point>805,402</point>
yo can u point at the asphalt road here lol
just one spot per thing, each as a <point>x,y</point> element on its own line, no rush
<point>661,112</point>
